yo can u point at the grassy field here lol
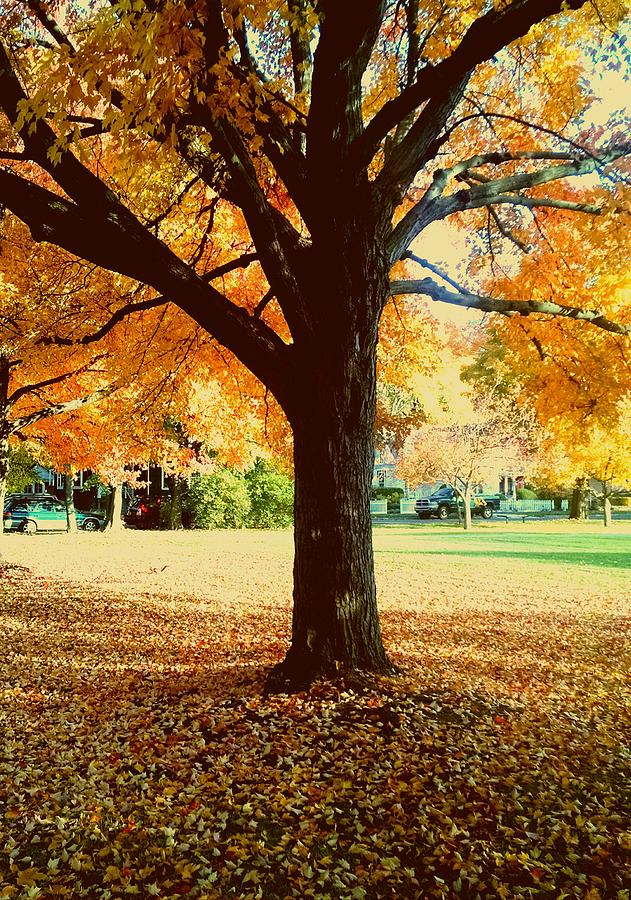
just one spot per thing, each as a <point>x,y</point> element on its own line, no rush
<point>141,756</point>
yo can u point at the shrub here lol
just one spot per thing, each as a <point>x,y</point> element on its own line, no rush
<point>21,470</point>
<point>218,500</point>
<point>271,497</point>
<point>392,494</point>
<point>526,494</point>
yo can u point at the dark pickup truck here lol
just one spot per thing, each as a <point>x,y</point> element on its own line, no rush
<point>444,502</point>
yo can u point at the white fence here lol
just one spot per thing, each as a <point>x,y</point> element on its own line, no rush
<point>526,506</point>
<point>406,507</point>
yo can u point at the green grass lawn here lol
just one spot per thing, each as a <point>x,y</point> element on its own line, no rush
<point>534,542</point>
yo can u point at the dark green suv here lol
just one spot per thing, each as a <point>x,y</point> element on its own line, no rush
<point>30,513</point>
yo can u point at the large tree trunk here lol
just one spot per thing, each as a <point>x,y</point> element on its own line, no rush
<point>113,518</point>
<point>335,620</point>
<point>69,497</point>
<point>4,471</point>
<point>607,511</point>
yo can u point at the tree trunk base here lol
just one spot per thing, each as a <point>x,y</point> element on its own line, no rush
<point>300,669</point>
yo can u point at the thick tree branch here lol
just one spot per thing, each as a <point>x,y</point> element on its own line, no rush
<point>348,32</point>
<point>31,388</point>
<point>433,206</point>
<point>487,36</point>
<point>58,408</point>
<point>467,300</point>
<point>50,24</point>
<point>41,145</point>
<point>532,202</point>
<point>420,143</point>
<point>102,229</point>
<point>128,248</point>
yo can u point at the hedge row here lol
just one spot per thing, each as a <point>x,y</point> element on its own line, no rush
<point>261,498</point>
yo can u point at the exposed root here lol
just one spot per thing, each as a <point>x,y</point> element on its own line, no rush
<point>300,669</point>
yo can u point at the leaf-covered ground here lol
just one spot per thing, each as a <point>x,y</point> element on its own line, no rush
<point>139,755</point>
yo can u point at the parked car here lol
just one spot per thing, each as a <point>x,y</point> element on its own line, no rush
<point>30,513</point>
<point>445,501</point>
<point>143,513</point>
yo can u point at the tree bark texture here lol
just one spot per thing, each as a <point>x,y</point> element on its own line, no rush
<point>335,620</point>
<point>69,497</point>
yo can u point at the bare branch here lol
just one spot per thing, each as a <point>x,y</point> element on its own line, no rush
<point>335,114</point>
<point>467,300</point>
<point>153,223</point>
<point>260,306</point>
<point>432,268</point>
<point>505,231</point>
<point>118,316</point>
<point>488,116</point>
<point>241,262</point>
<point>58,408</point>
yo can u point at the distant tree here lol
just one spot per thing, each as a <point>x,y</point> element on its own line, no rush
<point>476,440</point>
<point>599,464</point>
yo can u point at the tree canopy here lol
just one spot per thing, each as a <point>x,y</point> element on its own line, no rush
<point>271,168</point>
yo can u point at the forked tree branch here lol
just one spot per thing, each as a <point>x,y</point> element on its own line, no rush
<point>434,205</point>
